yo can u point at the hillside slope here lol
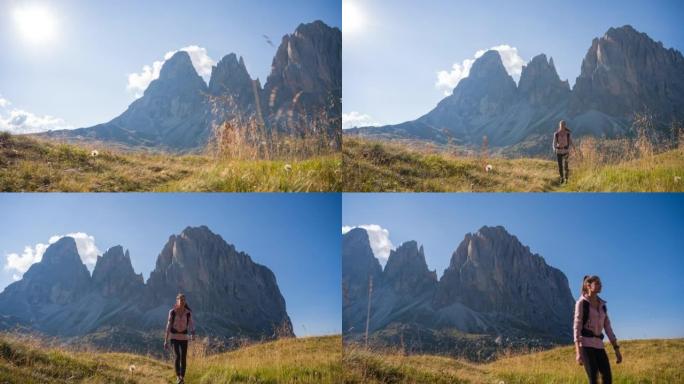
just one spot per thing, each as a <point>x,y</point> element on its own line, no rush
<point>645,361</point>
<point>305,360</point>
<point>33,165</point>
<point>374,166</point>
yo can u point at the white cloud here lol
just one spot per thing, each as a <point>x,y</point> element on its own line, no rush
<point>357,119</point>
<point>447,80</point>
<point>15,120</point>
<point>20,263</point>
<point>379,240</point>
<point>138,82</point>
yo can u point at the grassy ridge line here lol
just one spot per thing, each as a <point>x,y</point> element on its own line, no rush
<point>31,164</point>
<point>305,360</point>
<point>371,166</point>
<point>645,361</point>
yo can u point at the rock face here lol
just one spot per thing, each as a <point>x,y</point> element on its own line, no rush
<point>494,286</point>
<point>491,271</point>
<point>624,72</point>
<point>113,275</point>
<point>226,289</point>
<point>306,77</point>
<point>230,295</point>
<point>179,112</point>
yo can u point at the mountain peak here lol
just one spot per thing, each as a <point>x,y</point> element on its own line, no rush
<point>487,65</point>
<point>407,270</point>
<point>63,250</point>
<point>113,274</point>
<point>178,66</point>
<point>540,83</point>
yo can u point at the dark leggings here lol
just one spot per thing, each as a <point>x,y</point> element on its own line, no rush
<point>563,165</point>
<point>180,352</point>
<point>595,360</point>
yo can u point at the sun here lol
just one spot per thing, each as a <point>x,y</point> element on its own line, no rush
<point>353,18</point>
<point>36,24</point>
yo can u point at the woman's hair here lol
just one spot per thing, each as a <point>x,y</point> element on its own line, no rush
<point>561,124</point>
<point>182,296</point>
<point>588,279</point>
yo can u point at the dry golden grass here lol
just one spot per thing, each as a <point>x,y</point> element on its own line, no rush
<point>306,360</point>
<point>595,165</point>
<point>388,167</point>
<point>289,360</point>
<point>30,164</point>
<point>645,361</point>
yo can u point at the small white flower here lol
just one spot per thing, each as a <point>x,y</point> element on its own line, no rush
<point>287,168</point>
<point>94,153</point>
<point>677,179</point>
<point>488,168</point>
<point>131,368</point>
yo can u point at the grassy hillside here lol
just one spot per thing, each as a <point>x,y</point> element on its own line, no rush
<point>375,167</point>
<point>30,164</point>
<point>645,361</point>
<point>306,360</point>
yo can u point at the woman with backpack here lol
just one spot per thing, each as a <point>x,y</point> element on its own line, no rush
<point>591,319</point>
<point>180,328</point>
<point>561,146</point>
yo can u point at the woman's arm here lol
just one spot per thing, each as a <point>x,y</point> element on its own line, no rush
<point>168,328</point>
<point>577,330</point>
<point>613,340</point>
<point>191,324</point>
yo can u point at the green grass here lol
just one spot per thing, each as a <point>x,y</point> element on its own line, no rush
<point>305,360</point>
<point>663,172</point>
<point>645,361</point>
<point>369,166</point>
<point>30,164</point>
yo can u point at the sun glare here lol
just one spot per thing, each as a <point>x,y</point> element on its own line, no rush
<point>353,18</point>
<point>36,24</point>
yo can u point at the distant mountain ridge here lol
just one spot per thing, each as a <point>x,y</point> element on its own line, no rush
<point>494,286</point>
<point>179,111</point>
<point>231,296</point>
<point>623,73</point>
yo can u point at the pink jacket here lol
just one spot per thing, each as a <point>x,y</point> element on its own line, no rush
<point>597,322</point>
<point>181,321</point>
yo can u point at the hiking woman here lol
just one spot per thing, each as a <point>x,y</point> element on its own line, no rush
<point>561,146</point>
<point>591,319</point>
<point>179,329</point>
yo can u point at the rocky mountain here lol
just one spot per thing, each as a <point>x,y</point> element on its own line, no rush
<point>179,111</point>
<point>230,295</point>
<point>306,79</point>
<point>494,287</point>
<point>623,73</point>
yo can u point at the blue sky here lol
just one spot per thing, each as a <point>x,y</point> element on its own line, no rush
<point>633,241</point>
<point>296,235</point>
<point>393,49</point>
<point>71,67</point>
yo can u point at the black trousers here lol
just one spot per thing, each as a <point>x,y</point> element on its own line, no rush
<point>563,168</point>
<point>180,353</point>
<point>596,360</point>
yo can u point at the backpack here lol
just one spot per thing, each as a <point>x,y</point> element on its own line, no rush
<point>585,318</point>
<point>173,319</point>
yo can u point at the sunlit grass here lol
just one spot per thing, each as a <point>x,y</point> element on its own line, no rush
<point>370,166</point>
<point>645,361</point>
<point>29,164</point>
